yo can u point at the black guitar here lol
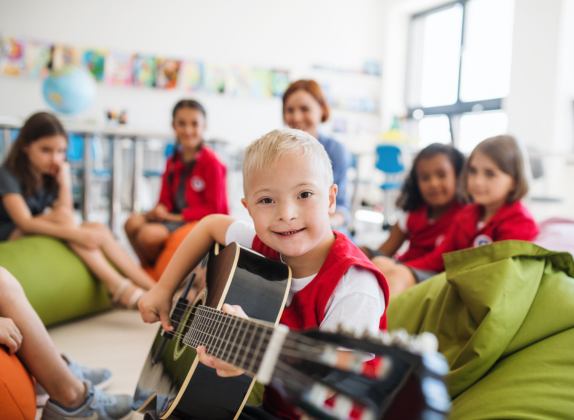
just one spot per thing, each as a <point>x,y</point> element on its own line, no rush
<point>408,384</point>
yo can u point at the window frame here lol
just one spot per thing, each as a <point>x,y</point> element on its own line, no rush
<point>453,111</point>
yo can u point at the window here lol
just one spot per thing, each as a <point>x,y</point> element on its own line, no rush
<point>459,71</point>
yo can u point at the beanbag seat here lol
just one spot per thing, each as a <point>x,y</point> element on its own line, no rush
<point>171,245</point>
<point>57,283</point>
<point>503,316</point>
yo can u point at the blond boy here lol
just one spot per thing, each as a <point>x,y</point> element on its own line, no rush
<point>290,196</point>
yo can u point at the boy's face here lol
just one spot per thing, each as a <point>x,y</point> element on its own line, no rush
<point>291,204</point>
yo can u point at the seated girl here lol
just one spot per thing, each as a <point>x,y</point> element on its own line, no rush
<point>429,201</point>
<point>495,182</point>
<point>36,199</point>
<point>193,186</point>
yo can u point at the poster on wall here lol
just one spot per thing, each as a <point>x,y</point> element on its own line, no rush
<point>95,61</point>
<point>65,55</point>
<point>144,70</point>
<point>191,76</point>
<point>37,58</point>
<point>118,69</point>
<point>260,86</point>
<point>215,78</point>
<point>167,73</point>
<point>12,57</point>
<point>279,82</point>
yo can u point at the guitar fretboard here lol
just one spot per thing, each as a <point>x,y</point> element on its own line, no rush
<point>238,341</point>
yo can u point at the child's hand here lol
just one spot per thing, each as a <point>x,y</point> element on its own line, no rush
<point>154,306</point>
<point>10,335</point>
<point>157,214</point>
<point>223,369</point>
<point>63,174</point>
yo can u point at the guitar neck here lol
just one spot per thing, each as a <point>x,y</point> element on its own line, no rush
<point>251,345</point>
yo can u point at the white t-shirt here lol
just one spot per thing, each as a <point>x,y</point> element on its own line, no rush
<point>357,303</point>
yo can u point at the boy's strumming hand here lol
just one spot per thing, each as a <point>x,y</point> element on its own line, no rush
<point>10,335</point>
<point>225,370</point>
<point>154,306</point>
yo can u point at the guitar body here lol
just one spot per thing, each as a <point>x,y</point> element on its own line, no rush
<point>172,382</point>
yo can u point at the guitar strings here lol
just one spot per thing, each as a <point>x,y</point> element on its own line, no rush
<point>250,321</point>
<point>290,342</point>
<point>292,346</point>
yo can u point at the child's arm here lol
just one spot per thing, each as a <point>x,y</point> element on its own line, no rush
<point>393,242</point>
<point>156,303</point>
<point>20,214</point>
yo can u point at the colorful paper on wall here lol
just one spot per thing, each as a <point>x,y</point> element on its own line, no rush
<point>144,71</point>
<point>167,73</point>
<point>12,61</point>
<point>37,58</point>
<point>215,78</point>
<point>118,69</point>
<point>279,82</point>
<point>191,76</point>
<point>261,83</point>
<point>95,62</point>
<point>64,56</point>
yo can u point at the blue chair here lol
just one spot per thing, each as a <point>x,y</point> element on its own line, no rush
<point>389,162</point>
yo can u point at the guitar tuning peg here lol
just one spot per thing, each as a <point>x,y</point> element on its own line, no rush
<point>400,337</point>
<point>425,342</point>
<point>385,337</point>
<point>343,406</point>
<point>318,394</point>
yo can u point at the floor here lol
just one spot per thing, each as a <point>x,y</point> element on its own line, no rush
<point>117,340</point>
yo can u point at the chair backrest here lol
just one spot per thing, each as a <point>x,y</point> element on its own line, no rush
<point>389,159</point>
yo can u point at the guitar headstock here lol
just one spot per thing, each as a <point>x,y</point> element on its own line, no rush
<point>392,375</point>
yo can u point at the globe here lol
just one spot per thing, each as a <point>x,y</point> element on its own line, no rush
<point>69,90</point>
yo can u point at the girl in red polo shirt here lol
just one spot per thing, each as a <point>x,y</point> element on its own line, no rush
<point>193,185</point>
<point>429,201</point>
<point>495,182</point>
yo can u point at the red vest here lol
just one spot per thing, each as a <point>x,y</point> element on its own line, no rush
<point>425,234</point>
<point>511,221</point>
<point>205,186</point>
<point>307,308</point>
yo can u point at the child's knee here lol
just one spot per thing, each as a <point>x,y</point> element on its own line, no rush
<point>133,223</point>
<point>151,237</point>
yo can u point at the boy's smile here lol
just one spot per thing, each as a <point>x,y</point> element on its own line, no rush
<point>290,203</point>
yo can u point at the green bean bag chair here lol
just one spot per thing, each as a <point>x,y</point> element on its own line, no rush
<point>504,317</point>
<point>56,282</point>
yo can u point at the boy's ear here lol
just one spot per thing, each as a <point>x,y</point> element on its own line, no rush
<point>244,202</point>
<point>333,198</point>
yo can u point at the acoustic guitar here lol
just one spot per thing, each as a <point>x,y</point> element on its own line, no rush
<point>304,366</point>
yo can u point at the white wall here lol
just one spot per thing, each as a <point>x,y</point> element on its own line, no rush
<point>539,104</point>
<point>269,33</point>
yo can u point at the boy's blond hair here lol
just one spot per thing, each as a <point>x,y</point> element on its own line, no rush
<point>267,149</point>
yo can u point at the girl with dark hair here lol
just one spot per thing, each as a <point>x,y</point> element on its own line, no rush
<point>193,185</point>
<point>305,108</point>
<point>494,181</point>
<point>35,192</point>
<point>428,201</point>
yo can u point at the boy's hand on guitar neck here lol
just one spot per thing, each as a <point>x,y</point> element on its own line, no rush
<point>223,369</point>
<point>155,305</point>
